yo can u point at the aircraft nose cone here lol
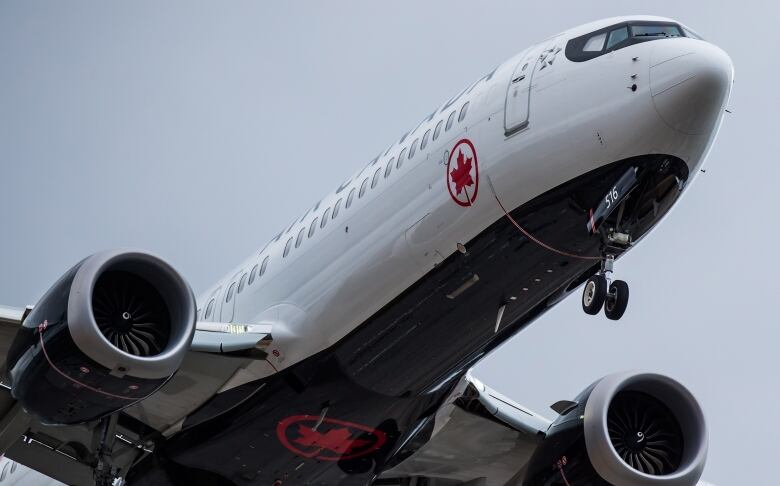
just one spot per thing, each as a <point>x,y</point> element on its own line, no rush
<point>690,82</point>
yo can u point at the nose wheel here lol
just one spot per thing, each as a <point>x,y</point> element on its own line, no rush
<point>595,294</point>
<point>601,292</point>
<point>617,300</point>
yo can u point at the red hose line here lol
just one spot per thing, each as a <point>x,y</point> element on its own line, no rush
<point>538,241</point>
<point>41,328</point>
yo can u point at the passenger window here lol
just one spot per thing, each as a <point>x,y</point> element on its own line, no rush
<point>242,283</point>
<point>350,197</point>
<point>437,131</point>
<point>375,180</point>
<point>463,112</point>
<point>425,140</point>
<point>595,43</point>
<point>264,265</point>
<point>287,247</point>
<point>389,168</point>
<point>313,226</point>
<point>299,239</point>
<point>209,310</point>
<point>413,148</point>
<point>253,274</point>
<point>230,292</point>
<point>617,36</point>
<point>401,157</point>
<point>450,119</point>
<point>363,187</point>
<point>325,216</point>
<point>336,209</point>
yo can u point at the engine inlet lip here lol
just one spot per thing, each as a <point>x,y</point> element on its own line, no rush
<point>87,335</point>
<point>680,401</point>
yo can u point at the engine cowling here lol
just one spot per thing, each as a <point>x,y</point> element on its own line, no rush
<point>638,429</point>
<point>110,332</point>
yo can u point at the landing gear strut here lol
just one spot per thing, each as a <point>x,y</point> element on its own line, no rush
<point>601,291</point>
<point>105,473</point>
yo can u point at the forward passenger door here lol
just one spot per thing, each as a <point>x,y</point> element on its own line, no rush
<point>518,95</point>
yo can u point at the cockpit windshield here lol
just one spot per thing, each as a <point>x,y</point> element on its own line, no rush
<point>618,36</point>
<point>655,31</point>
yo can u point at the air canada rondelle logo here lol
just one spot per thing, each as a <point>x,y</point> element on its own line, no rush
<point>328,439</point>
<point>463,173</point>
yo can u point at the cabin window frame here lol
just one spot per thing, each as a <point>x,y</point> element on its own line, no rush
<point>450,121</point>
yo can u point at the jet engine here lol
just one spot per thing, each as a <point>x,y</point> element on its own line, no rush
<point>638,429</point>
<point>110,332</point>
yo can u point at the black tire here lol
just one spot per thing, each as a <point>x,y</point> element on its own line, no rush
<point>594,294</point>
<point>617,301</point>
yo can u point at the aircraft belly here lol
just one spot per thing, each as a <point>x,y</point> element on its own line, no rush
<point>340,416</point>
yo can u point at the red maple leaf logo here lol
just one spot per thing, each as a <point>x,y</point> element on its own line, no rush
<point>461,175</point>
<point>338,441</point>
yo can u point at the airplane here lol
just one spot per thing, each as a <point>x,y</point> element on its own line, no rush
<point>341,351</point>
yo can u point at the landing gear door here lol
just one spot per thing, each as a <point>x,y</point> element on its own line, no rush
<point>611,200</point>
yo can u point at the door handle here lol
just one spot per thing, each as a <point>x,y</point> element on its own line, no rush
<point>519,78</point>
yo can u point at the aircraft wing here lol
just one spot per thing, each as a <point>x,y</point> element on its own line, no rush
<point>97,378</point>
<point>478,435</point>
<point>483,438</point>
<point>222,355</point>
<point>10,320</point>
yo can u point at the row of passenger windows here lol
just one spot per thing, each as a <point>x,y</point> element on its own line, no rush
<point>246,279</point>
<point>374,180</point>
<point>260,269</point>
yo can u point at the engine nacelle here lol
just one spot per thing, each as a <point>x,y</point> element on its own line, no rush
<point>107,334</point>
<point>638,429</point>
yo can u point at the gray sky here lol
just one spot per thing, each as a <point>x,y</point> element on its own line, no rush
<point>196,130</point>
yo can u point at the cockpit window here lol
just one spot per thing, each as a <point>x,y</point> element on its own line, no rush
<point>655,31</point>
<point>618,36</point>
<point>595,43</point>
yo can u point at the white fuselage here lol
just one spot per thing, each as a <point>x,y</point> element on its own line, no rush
<point>581,115</point>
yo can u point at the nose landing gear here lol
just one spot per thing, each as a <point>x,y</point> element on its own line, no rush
<point>600,291</point>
